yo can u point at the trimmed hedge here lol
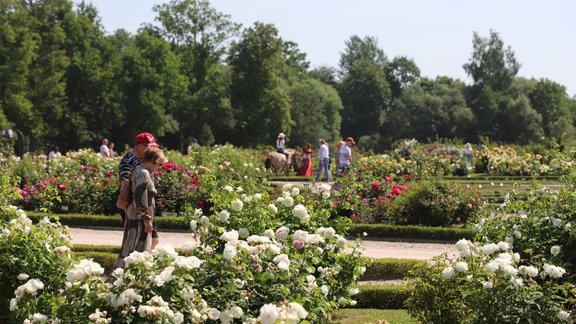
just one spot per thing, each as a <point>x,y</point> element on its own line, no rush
<point>382,296</point>
<point>412,232</point>
<point>81,248</point>
<point>105,259</point>
<point>81,220</point>
<point>390,268</point>
<point>179,223</point>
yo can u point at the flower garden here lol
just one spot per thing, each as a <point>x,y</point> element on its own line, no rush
<point>261,251</point>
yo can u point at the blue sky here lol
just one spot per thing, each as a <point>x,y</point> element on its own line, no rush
<point>436,34</point>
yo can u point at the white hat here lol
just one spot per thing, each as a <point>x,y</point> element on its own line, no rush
<point>281,135</point>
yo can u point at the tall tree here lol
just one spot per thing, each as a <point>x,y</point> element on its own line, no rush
<point>551,102</point>
<point>258,92</point>
<point>316,109</point>
<point>491,63</point>
<point>402,72</point>
<point>199,35</point>
<point>151,84</point>
<point>361,49</point>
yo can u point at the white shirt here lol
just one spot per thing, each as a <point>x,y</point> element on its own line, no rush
<point>345,152</point>
<point>280,143</point>
<point>54,155</point>
<point>104,150</point>
<point>323,152</point>
<point>468,150</point>
<point>189,150</point>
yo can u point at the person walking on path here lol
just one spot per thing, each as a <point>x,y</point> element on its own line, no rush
<point>132,159</point>
<point>324,163</point>
<point>346,155</point>
<point>140,212</point>
<point>337,157</point>
<point>111,146</point>
<point>104,149</point>
<point>306,168</point>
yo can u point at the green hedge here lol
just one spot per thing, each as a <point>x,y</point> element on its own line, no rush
<point>105,259</point>
<point>373,230</point>
<point>171,222</point>
<point>412,232</point>
<point>390,268</point>
<point>291,178</point>
<point>382,296</point>
<point>81,248</point>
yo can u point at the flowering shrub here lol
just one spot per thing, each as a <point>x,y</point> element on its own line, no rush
<point>253,259</point>
<point>32,256</point>
<point>520,269</point>
<point>435,203</point>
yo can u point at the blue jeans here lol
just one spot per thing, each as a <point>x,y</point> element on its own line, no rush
<point>326,167</point>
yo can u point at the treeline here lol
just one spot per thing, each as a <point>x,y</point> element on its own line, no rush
<point>198,74</point>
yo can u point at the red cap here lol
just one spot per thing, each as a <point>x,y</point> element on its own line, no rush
<point>146,138</point>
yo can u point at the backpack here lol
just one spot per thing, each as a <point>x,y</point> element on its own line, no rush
<point>125,196</point>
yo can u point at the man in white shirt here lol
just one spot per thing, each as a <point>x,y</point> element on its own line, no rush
<point>346,154</point>
<point>54,154</point>
<point>104,150</point>
<point>324,157</point>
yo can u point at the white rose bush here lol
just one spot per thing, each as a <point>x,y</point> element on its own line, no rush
<point>519,269</point>
<point>255,258</point>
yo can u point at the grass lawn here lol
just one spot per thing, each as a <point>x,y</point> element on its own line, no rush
<point>368,315</point>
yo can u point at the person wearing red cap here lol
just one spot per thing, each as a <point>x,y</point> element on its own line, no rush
<point>133,159</point>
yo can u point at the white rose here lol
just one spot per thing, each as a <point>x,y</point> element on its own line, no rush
<point>325,195</point>
<point>463,244</point>
<point>229,188</point>
<point>236,312</point>
<point>282,233</point>
<point>224,215</point>
<point>288,201</point>
<point>269,314</point>
<point>555,250</point>
<point>23,276</point>
<point>488,249</point>
<point>341,243</point>
<point>244,233</point>
<point>230,236</point>
<point>230,251</point>
<point>282,261</point>
<point>213,313</point>
<point>563,315</point>
<point>193,225</point>
<point>329,233</point>
<point>461,267</point>
<point>237,205</point>
<point>504,246</point>
<point>269,233</point>
<point>448,272</point>
<point>272,209</point>
<point>300,212</point>
<point>300,235</point>
<point>295,191</point>
<point>487,285</point>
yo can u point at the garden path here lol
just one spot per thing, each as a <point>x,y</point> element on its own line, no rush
<point>422,250</point>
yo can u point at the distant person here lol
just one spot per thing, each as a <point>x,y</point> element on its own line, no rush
<point>324,161</point>
<point>281,143</point>
<point>132,159</point>
<point>104,150</point>
<point>54,154</point>
<point>468,153</point>
<point>111,149</point>
<point>192,146</point>
<point>337,156</point>
<point>140,212</point>
<point>346,155</point>
<point>306,168</point>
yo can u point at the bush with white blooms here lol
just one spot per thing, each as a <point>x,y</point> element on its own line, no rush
<point>256,259</point>
<point>519,269</point>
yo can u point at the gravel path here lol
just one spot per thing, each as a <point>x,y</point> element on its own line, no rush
<point>372,248</point>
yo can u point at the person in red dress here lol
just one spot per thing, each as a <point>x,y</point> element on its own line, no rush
<point>306,168</point>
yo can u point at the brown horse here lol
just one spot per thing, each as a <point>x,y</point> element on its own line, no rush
<point>282,162</point>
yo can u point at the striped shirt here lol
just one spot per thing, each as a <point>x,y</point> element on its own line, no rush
<point>128,162</point>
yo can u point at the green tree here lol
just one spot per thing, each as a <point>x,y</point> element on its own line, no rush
<point>430,109</point>
<point>491,63</point>
<point>361,49</point>
<point>552,103</point>
<point>520,122</point>
<point>402,72</point>
<point>316,109</point>
<point>93,109</point>
<point>325,74</point>
<point>258,92</point>
<point>151,85</point>
<point>199,35</point>
<point>365,93</point>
